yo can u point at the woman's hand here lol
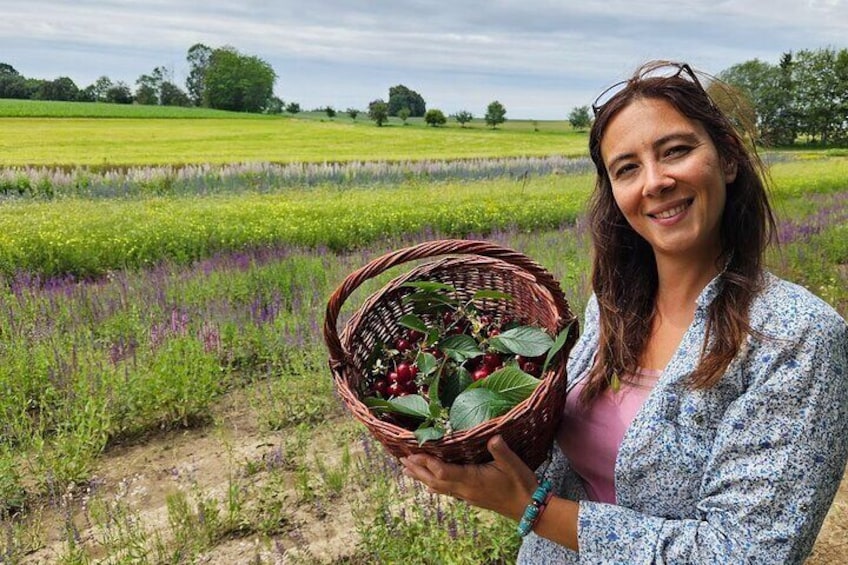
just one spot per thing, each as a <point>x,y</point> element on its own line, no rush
<point>504,485</point>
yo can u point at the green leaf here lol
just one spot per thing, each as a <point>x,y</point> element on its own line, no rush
<point>377,404</point>
<point>411,405</point>
<point>426,362</point>
<point>511,383</point>
<point>413,322</point>
<point>523,340</point>
<point>492,295</point>
<point>428,434</point>
<point>429,286</point>
<point>425,303</point>
<point>454,385</point>
<point>558,343</point>
<point>460,347</point>
<point>432,337</point>
<point>435,401</point>
<point>476,406</point>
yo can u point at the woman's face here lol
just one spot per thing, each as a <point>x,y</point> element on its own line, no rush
<point>667,179</point>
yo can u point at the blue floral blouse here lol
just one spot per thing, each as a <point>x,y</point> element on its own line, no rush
<point>743,472</point>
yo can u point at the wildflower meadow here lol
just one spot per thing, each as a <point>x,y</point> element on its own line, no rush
<point>165,390</point>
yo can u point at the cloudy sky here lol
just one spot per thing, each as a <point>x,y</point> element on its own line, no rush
<point>540,58</point>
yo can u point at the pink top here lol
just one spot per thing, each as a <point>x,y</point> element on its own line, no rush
<point>590,436</point>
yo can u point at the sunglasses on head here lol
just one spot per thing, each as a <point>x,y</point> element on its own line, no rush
<point>663,69</point>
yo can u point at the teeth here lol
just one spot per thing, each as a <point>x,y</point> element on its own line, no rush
<point>672,212</point>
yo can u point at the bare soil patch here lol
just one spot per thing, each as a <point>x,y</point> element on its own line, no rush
<point>143,475</point>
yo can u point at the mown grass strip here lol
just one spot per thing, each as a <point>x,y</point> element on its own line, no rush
<point>126,142</point>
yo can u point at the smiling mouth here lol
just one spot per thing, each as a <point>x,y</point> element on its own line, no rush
<point>671,212</point>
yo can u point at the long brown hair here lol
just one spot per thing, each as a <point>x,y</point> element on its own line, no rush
<point>624,272</point>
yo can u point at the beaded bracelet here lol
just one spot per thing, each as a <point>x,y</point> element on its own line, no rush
<point>537,505</point>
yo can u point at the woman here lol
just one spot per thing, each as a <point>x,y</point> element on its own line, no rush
<point>707,418</point>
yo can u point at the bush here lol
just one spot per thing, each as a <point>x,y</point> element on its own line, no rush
<point>495,114</point>
<point>463,117</point>
<point>435,117</point>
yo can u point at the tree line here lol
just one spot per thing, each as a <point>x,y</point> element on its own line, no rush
<point>802,98</point>
<point>221,78</point>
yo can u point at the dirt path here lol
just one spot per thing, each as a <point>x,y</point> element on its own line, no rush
<point>144,475</point>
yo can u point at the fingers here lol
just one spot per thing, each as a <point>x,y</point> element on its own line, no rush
<point>440,477</point>
<point>509,462</point>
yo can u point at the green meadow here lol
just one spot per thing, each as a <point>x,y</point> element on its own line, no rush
<point>165,390</point>
<point>137,135</point>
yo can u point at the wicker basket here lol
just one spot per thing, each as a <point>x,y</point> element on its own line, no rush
<point>468,266</point>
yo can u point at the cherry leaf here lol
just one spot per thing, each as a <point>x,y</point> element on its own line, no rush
<point>523,340</point>
<point>410,405</point>
<point>511,383</point>
<point>413,322</point>
<point>430,433</point>
<point>491,295</point>
<point>460,347</point>
<point>555,348</point>
<point>476,406</point>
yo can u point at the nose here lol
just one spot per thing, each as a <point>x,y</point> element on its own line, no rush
<point>657,180</point>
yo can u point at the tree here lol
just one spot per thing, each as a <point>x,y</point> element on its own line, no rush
<point>119,93</point>
<point>198,61</point>
<point>401,96</point>
<point>403,114</point>
<point>87,94</point>
<point>12,84</point>
<point>62,88</point>
<point>237,82</point>
<point>172,95</point>
<point>275,106</point>
<point>765,90</point>
<point>463,117</point>
<point>495,114</point>
<point>435,117</point>
<point>330,111</point>
<point>820,79</point>
<point>579,117</point>
<point>101,88</point>
<point>293,108</point>
<point>378,111</point>
<point>352,112</point>
<point>145,93</point>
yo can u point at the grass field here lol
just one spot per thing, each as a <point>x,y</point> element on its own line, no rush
<point>74,136</point>
<point>54,109</point>
<point>174,404</point>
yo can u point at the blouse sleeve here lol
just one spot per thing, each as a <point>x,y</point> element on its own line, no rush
<point>775,464</point>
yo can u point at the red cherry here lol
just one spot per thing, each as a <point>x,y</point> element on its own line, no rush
<point>402,344</point>
<point>413,369</point>
<point>493,332</point>
<point>410,387</point>
<point>393,377</point>
<point>404,372</point>
<point>531,368</point>
<point>396,389</point>
<point>480,374</point>
<point>414,336</point>
<point>379,387</point>
<point>492,360</point>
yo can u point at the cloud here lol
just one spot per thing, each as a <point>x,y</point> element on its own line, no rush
<point>546,55</point>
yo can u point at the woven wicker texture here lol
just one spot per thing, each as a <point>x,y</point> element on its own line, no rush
<point>468,266</point>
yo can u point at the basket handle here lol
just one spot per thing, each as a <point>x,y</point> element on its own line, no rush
<point>422,251</point>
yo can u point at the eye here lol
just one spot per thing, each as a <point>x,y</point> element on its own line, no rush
<point>677,150</point>
<point>624,170</point>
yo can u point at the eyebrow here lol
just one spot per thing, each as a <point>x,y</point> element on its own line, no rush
<point>686,137</point>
